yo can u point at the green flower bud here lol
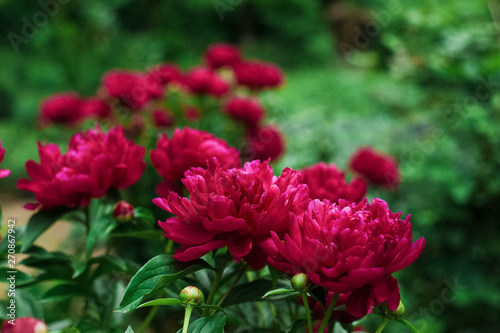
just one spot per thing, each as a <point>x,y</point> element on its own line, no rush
<point>300,282</point>
<point>191,295</point>
<point>400,310</point>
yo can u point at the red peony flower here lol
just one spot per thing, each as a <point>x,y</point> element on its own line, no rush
<point>220,55</point>
<point>25,325</point>
<point>247,110</point>
<point>328,182</point>
<point>236,208</point>
<point>265,142</point>
<point>93,163</point>
<point>350,248</point>
<point>162,118</point>
<point>186,149</point>
<point>258,75</point>
<point>3,172</point>
<point>62,108</point>
<point>95,107</point>
<point>378,168</point>
<point>165,73</point>
<point>204,81</point>
<point>134,89</point>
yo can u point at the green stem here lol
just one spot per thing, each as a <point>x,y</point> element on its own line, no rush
<point>187,316</point>
<point>223,298</point>
<point>328,312</point>
<point>148,319</point>
<point>215,285</point>
<point>308,311</point>
<point>407,324</point>
<point>382,325</point>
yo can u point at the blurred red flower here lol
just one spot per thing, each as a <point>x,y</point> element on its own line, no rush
<point>63,108</point>
<point>162,118</point>
<point>258,75</point>
<point>25,325</point>
<point>265,142</point>
<point>380,169</point>
<point>201,80</point>
<point>245,109</point>
<point>165,73</point>
<point>3,172</point>
<point>219,55</point>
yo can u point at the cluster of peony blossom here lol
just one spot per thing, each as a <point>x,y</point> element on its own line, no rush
<point>311,221</point>
<point>130,98</point>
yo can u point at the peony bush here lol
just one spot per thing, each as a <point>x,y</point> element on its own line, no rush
<point>226,239</point>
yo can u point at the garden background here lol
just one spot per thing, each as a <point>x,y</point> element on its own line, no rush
<point>425,89</point>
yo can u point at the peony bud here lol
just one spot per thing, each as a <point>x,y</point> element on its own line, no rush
<point>25,325</point>
<point>191,295</point>
<point>400,310</point>
<point>123,211</point>
<point>300,282</point>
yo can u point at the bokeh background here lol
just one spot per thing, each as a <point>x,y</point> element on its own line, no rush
<point>417,79</point>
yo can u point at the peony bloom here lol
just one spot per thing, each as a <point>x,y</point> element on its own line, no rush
<point>186,149</point>
<point>350,248</point>
<point>247,110</point>
<point>258,74</point>
<point>165,73</point>
<point>3,172</point>
<point>133,89</point>
<point>204,81</point>
<point>95,107</point>
<point>162,118</point>
<point>265,142</point>
<point>93,163</point>
<point>220,55</point>
<point>378,168</point>
<point>25,325</point>
<point>328,182</point>
<point>236,208</point>
<point>62,108</point>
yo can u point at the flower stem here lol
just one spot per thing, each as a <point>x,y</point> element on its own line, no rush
<point>407,324</point>
<point>187,316</point>
<point>308,311</point>
<point>148,319</point>
<point>215,285</point>
<point>329,312</point>
<point>223,298</point>
<point>382,325</point>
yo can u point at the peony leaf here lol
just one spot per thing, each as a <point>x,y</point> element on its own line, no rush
<point>61,292</point>
<point>213,324</point>
<point>248,292</point>
<point>100,227</point>
<point>214,307</point>
<point>162,301</point>
<point>38,223</point>
<point>154,276</point>
<point>279,291</point>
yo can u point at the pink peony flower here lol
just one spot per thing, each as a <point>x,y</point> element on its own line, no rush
<point>258,75</point>
<point>95,107</point>
<point>378,168</point>
<point>93,163</point>
<point>265,142</point>
<point>133,89</point>
<point>220,55</point>
<point>236,208</point>
<point>350,248</point>
<point>247,110</point>
<point>165,73</point>
<point>204,81</point>
<point>186,149</point>
<point>63,108</point>
<point>162,118</point>
<point>25,325</point>
<point>3,172</point>
<point>328,182</point>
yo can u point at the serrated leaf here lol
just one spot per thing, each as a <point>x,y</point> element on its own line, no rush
<point>38,223</point>
<point>278,292</point>
<point>213,324</point>
<point>154,276</point>
<point>162,301</point>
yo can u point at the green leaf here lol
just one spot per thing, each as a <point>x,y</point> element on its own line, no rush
<point>38,223</point>
<point>297,326</point>
<point>100,227</point>
<point>214,324</point>
<point>279,292</point>
<point>21,277</point>
<point>129,330</point>
<point>62,292</point>
<point>27,305</point>
<point>320,295</point>
<point>142,234</point>
<point>144,214</point>
<point>248,292</point>
<point>162,301</point>
<point>154,276</point>
<point>214,307</point>
<point>275,275</point>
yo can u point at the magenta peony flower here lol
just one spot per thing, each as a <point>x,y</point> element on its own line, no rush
<point>25,325</point>
<point>165,73</point>
<point>133,89</point>
<point>93,163</point>
<point>350,248</point>
<point>236,208</point>
<point>258,75</point>
<point>220,55</point>
<point>247,110</point>
<point>3,172</point>
<point>186,149</point>
<point>265,142</point>
<point>63,108</point>
<point>162,118</point>
<point>328,182</point>
<point>378,168</point>
<point>95,107</point>
<point>204,81</point>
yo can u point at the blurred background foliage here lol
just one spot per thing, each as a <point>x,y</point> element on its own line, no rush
<point>424,88</point>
